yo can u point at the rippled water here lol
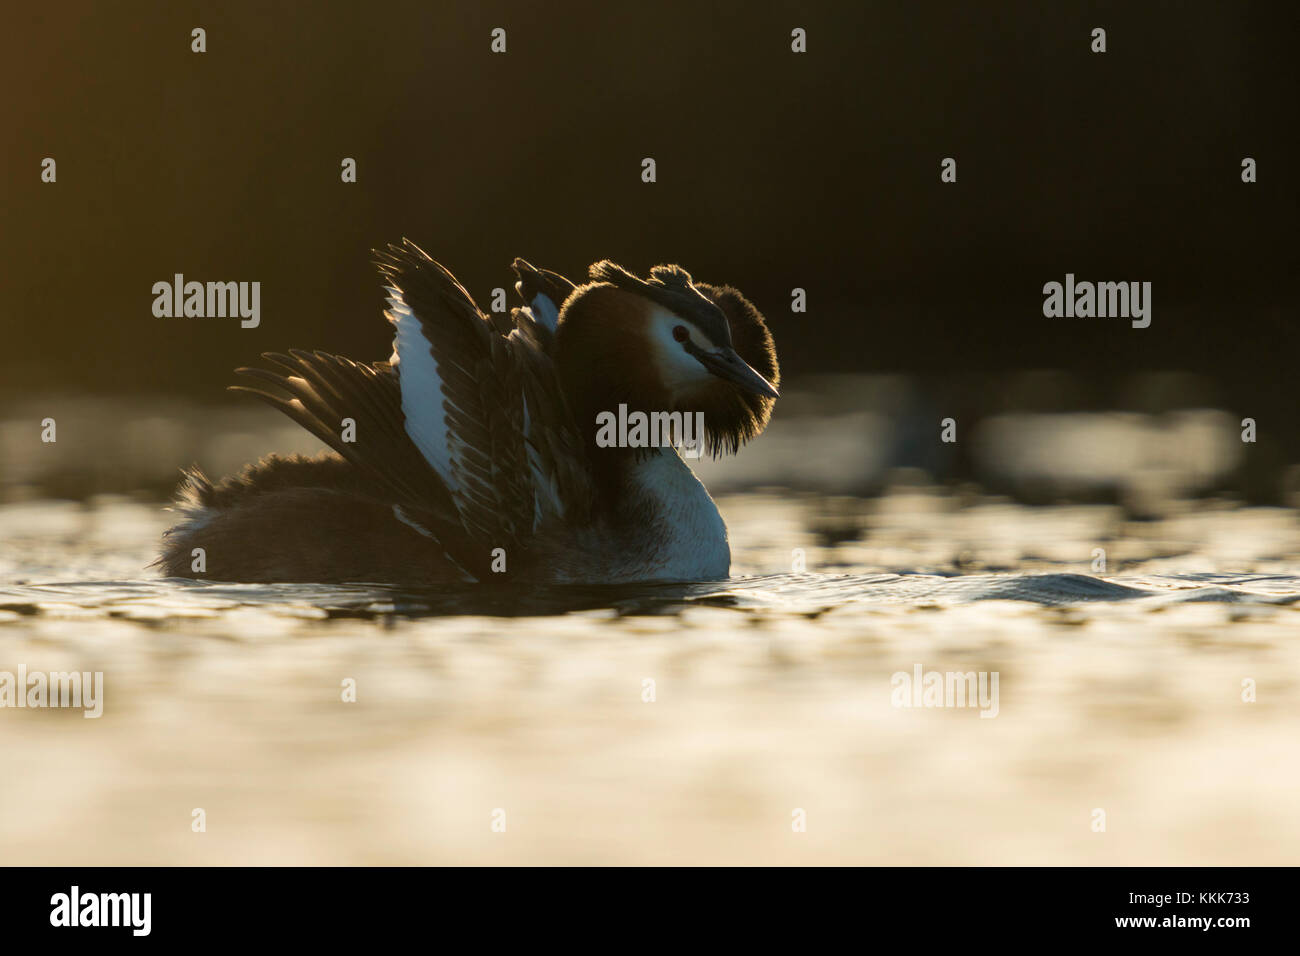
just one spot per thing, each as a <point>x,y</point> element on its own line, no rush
<point>1119,690</point>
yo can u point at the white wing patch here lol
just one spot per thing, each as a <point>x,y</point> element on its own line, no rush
<point>422,398</point>
<point>545,312</point>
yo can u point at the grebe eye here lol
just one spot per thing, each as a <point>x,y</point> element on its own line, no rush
<point>680,333</point>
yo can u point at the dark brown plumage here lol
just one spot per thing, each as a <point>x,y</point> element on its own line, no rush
<point>741,416</point>
<point>597,333</point>
<point>299,519</point>
<point>474,444</point>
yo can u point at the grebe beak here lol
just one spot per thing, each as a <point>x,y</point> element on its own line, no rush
<point>727,365</point>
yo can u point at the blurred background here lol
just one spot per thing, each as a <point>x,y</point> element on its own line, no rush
<point>1098,534</point>
<point>775,170</point>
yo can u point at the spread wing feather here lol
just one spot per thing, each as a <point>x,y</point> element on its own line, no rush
<point>319,391</point>
<point>465,429</point>
<point>513,456</point>
<point>544,292</point>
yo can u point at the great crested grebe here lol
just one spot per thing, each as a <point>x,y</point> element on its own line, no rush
<point>471,455</point>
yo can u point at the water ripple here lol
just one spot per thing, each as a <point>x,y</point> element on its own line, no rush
<point>803,592</point>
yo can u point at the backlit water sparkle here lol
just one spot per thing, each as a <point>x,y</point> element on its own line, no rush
<point>1119,690</point>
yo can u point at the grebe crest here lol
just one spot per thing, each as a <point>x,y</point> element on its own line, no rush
<point>668,343</point>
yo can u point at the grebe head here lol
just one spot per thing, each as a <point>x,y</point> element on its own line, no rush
<point>667,343</point>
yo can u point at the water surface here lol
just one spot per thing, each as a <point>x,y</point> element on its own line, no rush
<point>1119,690</point>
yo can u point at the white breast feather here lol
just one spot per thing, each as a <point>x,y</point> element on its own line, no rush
<point>688,538</point>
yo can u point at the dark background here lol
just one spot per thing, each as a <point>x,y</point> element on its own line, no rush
<point>775,170</point>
